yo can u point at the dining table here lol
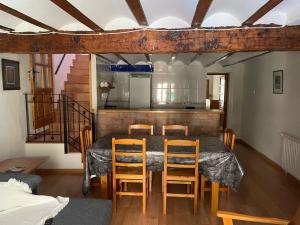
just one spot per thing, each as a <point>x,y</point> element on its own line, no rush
<point>216,161</point>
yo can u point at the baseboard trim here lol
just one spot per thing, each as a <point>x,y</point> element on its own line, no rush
<point>269,161</point>
<point>59,171</point>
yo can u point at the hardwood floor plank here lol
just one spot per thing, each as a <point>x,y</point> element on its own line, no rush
<point>264,191</point>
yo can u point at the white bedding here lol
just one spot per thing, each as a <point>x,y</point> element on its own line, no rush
<point>18,206</point>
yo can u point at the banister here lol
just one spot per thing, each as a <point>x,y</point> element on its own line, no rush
<point>59,65</point>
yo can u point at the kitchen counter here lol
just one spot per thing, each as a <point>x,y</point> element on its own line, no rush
<point>200,122</point>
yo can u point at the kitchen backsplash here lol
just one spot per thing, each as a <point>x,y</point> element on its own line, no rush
<point>173,86</point>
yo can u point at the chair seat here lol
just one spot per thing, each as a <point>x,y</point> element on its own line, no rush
<point>129,173</point>
<point>181,174</point>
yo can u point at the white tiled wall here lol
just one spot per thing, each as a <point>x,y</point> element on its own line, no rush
<point>173,86</point>
<point>178,85</point>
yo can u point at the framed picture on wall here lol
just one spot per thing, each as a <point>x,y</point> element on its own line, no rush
<point>10,75</point>
<point>278,82</point>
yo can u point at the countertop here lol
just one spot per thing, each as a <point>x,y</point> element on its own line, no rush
<point>161,110</point>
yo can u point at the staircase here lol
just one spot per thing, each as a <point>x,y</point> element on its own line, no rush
<point>77,85</point>
<point>70,109</point>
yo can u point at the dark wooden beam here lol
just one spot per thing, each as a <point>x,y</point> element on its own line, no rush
<point>157,41</point>
<point>122,58</point>
<point>6,28</point>
<point>24,17</point>
<point>261,12</point>
<point>201,10</point>
<point>138,12</point>
<point>243,60</point>
<point>148,57</point>
<point>219,59</point>
<point>105,58</point>
<point>74,12</point>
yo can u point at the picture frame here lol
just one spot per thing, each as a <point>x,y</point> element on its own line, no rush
<point>10,74</point>
<point>278,82</point>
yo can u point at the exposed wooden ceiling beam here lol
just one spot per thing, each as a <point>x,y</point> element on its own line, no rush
<point>24,17</point>
<point>219,59</point>
<point>122,58</point>
<point>105,58</point>
<point>74,12</point>
<point>201,10</point>
<point>138,12</point>
<point>243,60</point>
<point>6,28</point>
<point>157,41</point>
<point>261,12</point>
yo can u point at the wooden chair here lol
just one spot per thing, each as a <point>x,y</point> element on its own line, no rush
<point>140,127</point>
<point>85,141</point>
<point>129,172</point>
<point>228,218</point>
<point>229,138</point>
<point>175,173</point>
<point>175,127</point>
<point>229,141</point>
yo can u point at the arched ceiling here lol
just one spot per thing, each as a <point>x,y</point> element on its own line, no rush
<point>116,14</point>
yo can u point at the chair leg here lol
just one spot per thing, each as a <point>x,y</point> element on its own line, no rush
<point>202,188</point>
<point>162,181</point>
<point>150,180</point>
<point>144,195</point>
<point>114,195</point>
<point>196,197</point>
<point>188,188</point>
<point>125,186</point>
<point>164,197</point>
<point>228,193</point>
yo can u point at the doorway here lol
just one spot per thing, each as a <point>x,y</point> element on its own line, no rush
<point>217,94</point>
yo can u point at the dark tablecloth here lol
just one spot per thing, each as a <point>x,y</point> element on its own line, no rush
<point>215,161</point>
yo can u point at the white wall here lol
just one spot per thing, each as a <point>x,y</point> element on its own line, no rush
<point>65,69</point>
<point>57,158</point>
<point>265,114</point>
<point>235,95</point>
<point>12,111</point>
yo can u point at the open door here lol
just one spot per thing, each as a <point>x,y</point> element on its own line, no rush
<point>42,89</point>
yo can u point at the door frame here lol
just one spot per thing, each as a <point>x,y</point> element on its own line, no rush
<point>226,95</point>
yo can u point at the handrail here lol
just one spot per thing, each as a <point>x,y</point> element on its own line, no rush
<point>59,65</point>
<point>63,121</point>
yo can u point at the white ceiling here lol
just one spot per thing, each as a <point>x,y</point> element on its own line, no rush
<point>205,59</point>
<point>115,14</point>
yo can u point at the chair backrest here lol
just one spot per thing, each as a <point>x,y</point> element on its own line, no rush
<point>194,156</point>
<point>175,127</point>
<point>126,153</point>
<point>228,218</point>
<point>140,127</point>
<point>229,138</point>
<point>85,140</point>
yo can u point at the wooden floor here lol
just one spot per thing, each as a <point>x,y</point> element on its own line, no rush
<point>264,191</point>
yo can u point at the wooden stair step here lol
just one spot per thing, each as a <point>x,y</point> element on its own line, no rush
<point>81,97</point>
<point>82,57</point>
<point>77,80</point>
<point>75,71</point>
<point>76,87</point>
<point>81,66</point>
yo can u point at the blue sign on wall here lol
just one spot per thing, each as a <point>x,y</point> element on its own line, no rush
<point>132,68</point>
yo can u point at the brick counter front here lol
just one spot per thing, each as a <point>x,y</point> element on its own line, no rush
<point>200,122</point>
